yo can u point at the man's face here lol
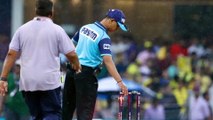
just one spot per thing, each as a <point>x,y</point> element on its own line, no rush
<point>113,25</point>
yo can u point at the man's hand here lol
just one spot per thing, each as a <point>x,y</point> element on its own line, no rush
<point>73,59</point>
<point>123,88</point>
<point>76,67</point>
<point>3,87</point>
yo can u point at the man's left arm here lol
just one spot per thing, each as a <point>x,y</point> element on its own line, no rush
<point>104,48</point>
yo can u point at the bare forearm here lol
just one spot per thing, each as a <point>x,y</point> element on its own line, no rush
<point>73,59</point>
<point>114,73</point>
<point>112,70</point>
<point>8,63</point>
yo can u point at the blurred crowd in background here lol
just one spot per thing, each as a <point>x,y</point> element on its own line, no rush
<point>179,71</point>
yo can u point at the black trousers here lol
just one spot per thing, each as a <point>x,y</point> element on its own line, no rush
<point>44,105</point>
<point>80,93</point>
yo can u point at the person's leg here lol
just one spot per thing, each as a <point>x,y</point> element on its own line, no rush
<point>86,94</point>
<point>69,99</point>
<point>32,100</point>
<point>51,104</point>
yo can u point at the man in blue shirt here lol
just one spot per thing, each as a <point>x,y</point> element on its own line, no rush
<point>93,48</point>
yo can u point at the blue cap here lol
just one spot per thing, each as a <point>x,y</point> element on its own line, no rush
<point>119,17</point>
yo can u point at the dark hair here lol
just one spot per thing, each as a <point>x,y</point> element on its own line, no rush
<point>44,7</point>
<point>205,94</point>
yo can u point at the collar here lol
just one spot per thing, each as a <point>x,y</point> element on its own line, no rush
<point>42,18</point>
<point>100,26</point>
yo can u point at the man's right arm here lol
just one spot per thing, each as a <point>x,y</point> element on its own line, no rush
<point>74,61</point>
<point>114,73</point>
<point>68,49</point>
<point>7,66</point>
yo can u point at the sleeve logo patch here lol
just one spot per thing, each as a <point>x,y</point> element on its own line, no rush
<point>106,46</point>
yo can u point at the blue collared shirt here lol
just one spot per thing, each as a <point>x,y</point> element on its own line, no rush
<point>92,43</point>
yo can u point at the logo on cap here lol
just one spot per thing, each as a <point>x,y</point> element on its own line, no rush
<point>123,20</point>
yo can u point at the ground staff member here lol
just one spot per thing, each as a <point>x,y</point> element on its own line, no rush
<point>39,43</point>
<point>93,48</point>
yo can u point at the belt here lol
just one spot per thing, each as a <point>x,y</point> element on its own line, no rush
<point>87,69</point>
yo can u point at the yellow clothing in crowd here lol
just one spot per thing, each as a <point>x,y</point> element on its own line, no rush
<point>184,64</point>
<point>181,95</point>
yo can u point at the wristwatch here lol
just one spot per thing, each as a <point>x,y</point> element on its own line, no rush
<point>3,78</point>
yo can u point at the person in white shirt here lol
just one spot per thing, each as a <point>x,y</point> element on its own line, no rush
<point>39,43</point>
<point>198,106</point>
<point>155,111</point>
